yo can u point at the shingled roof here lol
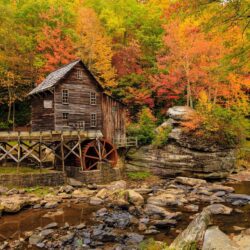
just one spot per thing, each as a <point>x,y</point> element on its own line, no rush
<point>55,76</point>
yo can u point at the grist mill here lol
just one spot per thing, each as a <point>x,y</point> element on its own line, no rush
<point>75,121</point>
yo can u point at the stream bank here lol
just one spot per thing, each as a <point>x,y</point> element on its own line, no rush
<point>122,214</point>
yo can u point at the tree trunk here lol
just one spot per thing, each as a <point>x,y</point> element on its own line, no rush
<point>13,116</point>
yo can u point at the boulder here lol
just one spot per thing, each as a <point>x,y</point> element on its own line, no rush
<point>181,113</point>
<point>35,239</point>
<point>51,204</point>
<point>95,201</point>
<point>117,185</point>
<point>215,239</point>
<point>135,198</point>
<point>185,153</point>
<point>193,234</point>
<point>74,183</point>
<point>219,209</point>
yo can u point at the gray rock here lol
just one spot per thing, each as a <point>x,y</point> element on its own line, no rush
<point>34,239</point>
<point>67,238</point>
<point>74,183</point>
<point>180,113</point>
<point>214,239</point>
<point>95,201</point>
<point>219,209</point>
<point>190,181</point>
<point>238,197</point>
<point>134,197</point>
<point>193,234</point>
<point>51,225</point>
<point>51,204</point>
<point>68,189</point>
<point>155,210</point>
<point>185,154</point>
<point>46,232</point>
<point>80,226</point>
<point>134,238</point>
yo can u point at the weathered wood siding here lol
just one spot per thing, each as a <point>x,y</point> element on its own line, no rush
<point>114,116</point>
<point>42,118</point>
<point>78,107</point>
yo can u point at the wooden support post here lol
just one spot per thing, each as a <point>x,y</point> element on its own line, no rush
<point>18,152</point>
<point>80,150</point>
<point>40,152</point>
<point>62,152</point>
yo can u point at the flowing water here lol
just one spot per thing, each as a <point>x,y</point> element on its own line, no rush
<point>13,226</point>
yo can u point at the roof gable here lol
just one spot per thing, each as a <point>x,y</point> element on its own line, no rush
<point>54,77</point>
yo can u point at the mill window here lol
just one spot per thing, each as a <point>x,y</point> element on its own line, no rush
<point>92,98</point>
<point>79,74</point>
<point>93,120</point>
<point>80,125</point>
<point>65,116</point>
<point>65,96</point>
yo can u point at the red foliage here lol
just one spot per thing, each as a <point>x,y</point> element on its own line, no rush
<point>127,60</point>
<point>56,49</point>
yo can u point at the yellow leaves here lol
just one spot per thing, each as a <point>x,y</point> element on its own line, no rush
<point>94,46</point>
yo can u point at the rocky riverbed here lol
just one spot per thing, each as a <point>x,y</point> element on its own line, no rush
<point>120,215</point>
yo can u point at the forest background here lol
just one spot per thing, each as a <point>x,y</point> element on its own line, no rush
<point>151,54</point>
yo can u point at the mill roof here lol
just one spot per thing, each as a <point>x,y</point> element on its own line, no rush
<point>54,77</point>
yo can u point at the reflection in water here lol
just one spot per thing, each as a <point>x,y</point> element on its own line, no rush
<point>13,226</point>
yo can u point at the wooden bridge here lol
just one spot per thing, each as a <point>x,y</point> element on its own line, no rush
<point>19,146</point>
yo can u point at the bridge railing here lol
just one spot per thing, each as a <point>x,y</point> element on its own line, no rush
<point>126,142</point>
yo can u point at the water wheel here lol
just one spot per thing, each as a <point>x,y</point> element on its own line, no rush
<point>99,150</point>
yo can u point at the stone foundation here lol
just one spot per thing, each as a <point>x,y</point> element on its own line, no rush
<point>104,174</point>
<point>31,180</point>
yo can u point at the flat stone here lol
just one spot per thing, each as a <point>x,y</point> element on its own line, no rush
<point>80,226</point>
<point>117,185</point>
<point>51,204</point>
<point>239,197</point>
<point>189,181</point>
<point>218,187</point>
<point>35,239</point>
<point>219,209</point>
<point>46,232</point>
<point>156,210</point>
<point>67,238</point>
<point>51,225</point>
<point>74,183</point>
<point>166,199</point>
<point>95,201</point>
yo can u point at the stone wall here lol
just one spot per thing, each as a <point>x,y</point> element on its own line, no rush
<point>30,180</point>
<point>104,174</point>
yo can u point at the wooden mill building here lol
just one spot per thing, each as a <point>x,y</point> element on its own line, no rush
<point>71,98</point>
<point>76,122</point>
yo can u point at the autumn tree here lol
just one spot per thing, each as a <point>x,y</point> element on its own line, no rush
<point>94,46</point>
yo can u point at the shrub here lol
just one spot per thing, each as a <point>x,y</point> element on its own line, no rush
<point>144,129</point>
<point>161,137</point>
<point>222,125</point>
